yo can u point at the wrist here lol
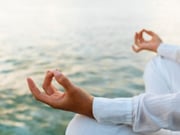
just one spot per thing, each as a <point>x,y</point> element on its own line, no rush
<point>87,107</point>
<point>156,47</point>
<point>90,108</point>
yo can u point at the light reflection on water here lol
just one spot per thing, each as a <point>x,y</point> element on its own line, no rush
<point>90,46</point>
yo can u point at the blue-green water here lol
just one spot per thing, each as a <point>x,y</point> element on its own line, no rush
<point>90,41</point>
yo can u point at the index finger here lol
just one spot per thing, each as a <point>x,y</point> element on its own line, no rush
<point>136,39</point>
<point>151,33</point>
<point>141,36</point>
<point>47,86</point>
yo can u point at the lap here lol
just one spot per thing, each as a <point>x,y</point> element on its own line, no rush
<point>82,125</point>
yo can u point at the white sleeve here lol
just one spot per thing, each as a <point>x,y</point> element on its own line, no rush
<point>169,51</point>
<point>145,113</point>
<point>116,111</point>
<point>153,112</point>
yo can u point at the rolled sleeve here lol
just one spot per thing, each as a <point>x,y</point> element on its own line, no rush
<point>169,51</point>
<point>115,111</point>
<point>153,112</point>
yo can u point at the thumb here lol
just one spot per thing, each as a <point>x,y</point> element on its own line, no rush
<point>136,49</point>
<point>63,80</point>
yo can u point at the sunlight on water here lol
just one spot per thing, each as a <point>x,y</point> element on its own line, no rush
<point>89,41</point>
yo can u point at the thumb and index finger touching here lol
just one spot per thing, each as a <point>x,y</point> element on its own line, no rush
<point>151,33</point>
<point>148,32</point>
<point>139,39</point>
<point>46,97</point>
<point>59,77</point>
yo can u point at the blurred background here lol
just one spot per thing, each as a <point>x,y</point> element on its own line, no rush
<point>89,40</point>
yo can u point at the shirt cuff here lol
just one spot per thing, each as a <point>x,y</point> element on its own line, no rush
<point>114,111</point>
<point>168,51</point>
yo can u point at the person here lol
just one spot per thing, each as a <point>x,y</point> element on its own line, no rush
<point>154,112</point>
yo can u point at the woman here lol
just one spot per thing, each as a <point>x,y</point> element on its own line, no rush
<point>148,113</point>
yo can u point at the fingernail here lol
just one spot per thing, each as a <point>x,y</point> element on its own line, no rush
<point>50,70</point>
<point>57,73</point>
<point>28,78</point>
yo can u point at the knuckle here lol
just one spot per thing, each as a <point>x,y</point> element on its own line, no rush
<point>63,79</point>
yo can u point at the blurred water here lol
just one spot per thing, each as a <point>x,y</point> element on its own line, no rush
<point>90,42</point>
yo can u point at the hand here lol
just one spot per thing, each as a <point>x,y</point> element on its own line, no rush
<point>74,99</point>
<point>141,44</point>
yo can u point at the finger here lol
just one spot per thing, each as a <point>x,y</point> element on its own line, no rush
<point>136,39</point>
<point>149,32</point>
<point>36,92</point>
<point>63,80</point>
<point>136,49</point>
<point>141,36</point>
<point>47,84</point>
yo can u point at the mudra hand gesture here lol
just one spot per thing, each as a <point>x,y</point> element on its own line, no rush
<point>141,44</point>
<point>73,99</point>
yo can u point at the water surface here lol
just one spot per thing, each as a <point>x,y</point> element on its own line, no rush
<point>90,41</point>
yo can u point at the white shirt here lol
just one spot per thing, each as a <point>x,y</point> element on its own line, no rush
<point>146,112</point>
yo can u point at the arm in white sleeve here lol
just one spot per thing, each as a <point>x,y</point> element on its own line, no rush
<point>114,111</point>
<point>153,112</point>
<point>146,112</point>
<point>169,51</point>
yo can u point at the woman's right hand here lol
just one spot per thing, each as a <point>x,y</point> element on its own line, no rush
<point>73,99</point>
<point>150,45</point>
